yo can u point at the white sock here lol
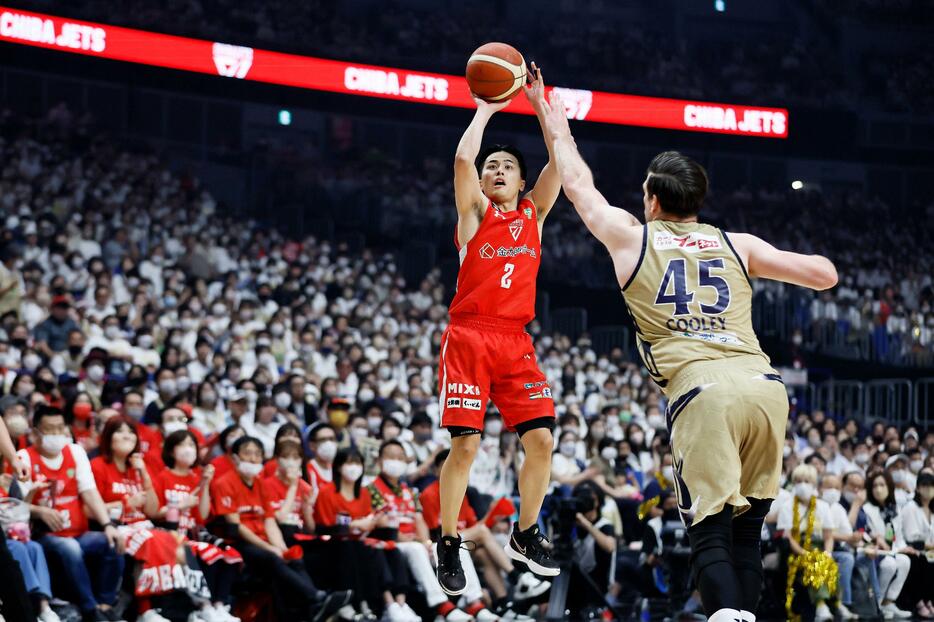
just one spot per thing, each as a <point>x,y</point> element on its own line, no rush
<point>747,616</point>
<point>726,615</point>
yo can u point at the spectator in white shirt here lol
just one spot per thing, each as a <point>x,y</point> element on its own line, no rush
<point>918,531</point>
<point>845,541</point>
<point>884,525</point>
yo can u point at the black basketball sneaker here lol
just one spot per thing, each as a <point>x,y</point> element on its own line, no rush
<point>450,572</point>
<point>529,547</point>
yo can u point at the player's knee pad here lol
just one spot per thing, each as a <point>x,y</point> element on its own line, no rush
<point>747,527</point>
<point>711,541</point>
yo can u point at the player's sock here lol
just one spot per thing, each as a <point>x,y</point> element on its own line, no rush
<point>747,556</point>
<point>445,608</point>
<point>475,607</point>
<point>712,563</point>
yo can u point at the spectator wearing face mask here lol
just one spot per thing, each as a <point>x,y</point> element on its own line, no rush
<point>804,502</point>
<point>884,526</point>
<point>322,442</point>
<point>918,531</point>
<point>292,499</point>
<point>167,391</point>
<point>400,519</point>
<point>377,574</point>
<point>173,420</point>
<point>208,414</point>
<point>492,470</point>
<point>224,462</point>
<point>897,467</point>
<point>567,470</point>
<point>845,543</point>
<point>240,498</point>
<point>266,422</point>
<point>62,473</point>
<point>421,449</point>
<point>338,410</point>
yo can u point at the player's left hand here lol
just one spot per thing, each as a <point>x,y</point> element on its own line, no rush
<point>535,88</point>
<point>555,117</point>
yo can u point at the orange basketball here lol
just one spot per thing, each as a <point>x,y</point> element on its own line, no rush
<point>496,72</point>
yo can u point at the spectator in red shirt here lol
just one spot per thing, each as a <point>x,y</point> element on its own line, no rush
<point>241,499</point>
<point>224,464</point>
<point>60,469</point>
<point>121,475</point>
<point>288,431</point>
<point>376,573</point>
<point>173,420</point>
<point>183,489</point>
<point>322,441</point>
<point>292,499</point>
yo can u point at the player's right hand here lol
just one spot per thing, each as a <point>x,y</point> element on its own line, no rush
<point>556,117</point>
<point>489,107</point>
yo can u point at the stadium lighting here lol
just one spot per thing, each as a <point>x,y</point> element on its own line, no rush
<point>797,185</point>
<point>719,5</point>
<point>285,117</point>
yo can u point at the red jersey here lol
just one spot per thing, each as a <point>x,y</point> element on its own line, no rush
<point>499,266</point>
<point>431,508</point>
<point>332,503</point>
<point>269,469</point>
<point>175,490</point>
<point>401,502</point>
<point>324,481</point>
<point>153,455</point>
<point>62,493</point>
<point>229,495</point>
<point>116,486</point>
<point>277,490</point>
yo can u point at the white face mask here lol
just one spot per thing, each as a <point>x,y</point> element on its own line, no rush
<point>31,361</point>
<point>804,491</point>
<point>915,465</point>
<point>291,465</point>
<point>609,453</point>
<point>394,468</point>
<point>365,395</point>
<point>183,383</point>
<point>831,496</point>
<point>899,476</point>
<point>168,386</point>
<point>351,472</point>
<point>849,495</point>
<point>357,433</point>
<point>249,469</point>
<point>327,450</point>
<point>283,400</point>
<point>567,448</point>
<point>862,458</point>
<point>173,426</point>
<point>95,373</point>
<point>786,451</point>
<point>668,473</point>
<point>54,443</point>
<point>493,427</point>
<point>185,456</point>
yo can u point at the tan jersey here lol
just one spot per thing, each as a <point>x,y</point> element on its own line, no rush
<point>690,299</point>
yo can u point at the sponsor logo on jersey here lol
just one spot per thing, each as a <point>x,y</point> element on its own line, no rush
<point>528,212</point>
<point>459,388</point>
<point>693,242</point>
<point>232,61</point>
<point>515,229</point>
<point>543,394</point>
<point>532,385</point>
<point>472,404</point>
<point>454,402</point>
<point>487,251</point>
<point>515,251</point>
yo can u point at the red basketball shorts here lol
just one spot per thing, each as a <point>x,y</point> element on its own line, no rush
<point>483,359</point>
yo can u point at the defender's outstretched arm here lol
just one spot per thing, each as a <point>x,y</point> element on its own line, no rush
<point>605,222</point>
<point>548,185</point>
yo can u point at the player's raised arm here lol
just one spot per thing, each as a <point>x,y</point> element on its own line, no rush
<point>609,224</point>
<point>548,184</point>
<point>764,260</point>
<point>467,195</point>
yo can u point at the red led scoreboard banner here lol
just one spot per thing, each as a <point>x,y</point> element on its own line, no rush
<point>238,62</point>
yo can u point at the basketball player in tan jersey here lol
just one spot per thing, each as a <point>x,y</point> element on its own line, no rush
<point>686,286</point>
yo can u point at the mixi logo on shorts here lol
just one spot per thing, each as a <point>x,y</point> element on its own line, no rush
<point>462,389</point>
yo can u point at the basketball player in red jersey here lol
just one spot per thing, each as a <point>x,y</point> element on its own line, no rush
<point>485,352</point>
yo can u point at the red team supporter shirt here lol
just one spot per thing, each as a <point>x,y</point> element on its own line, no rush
<point>229,495</point>
<point>485,351</point>
<point>431,508</point>
<point>175,490</point>
<point>116,486</point>
<point>331,503</point>
<point>276,490</point>
<point>63,490</point>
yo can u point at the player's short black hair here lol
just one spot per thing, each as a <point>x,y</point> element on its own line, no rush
<point>489,150</point>
<point>679,182</point>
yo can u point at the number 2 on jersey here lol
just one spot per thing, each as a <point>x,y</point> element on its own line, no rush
<point>506,282</point>
<point>675,278</point>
